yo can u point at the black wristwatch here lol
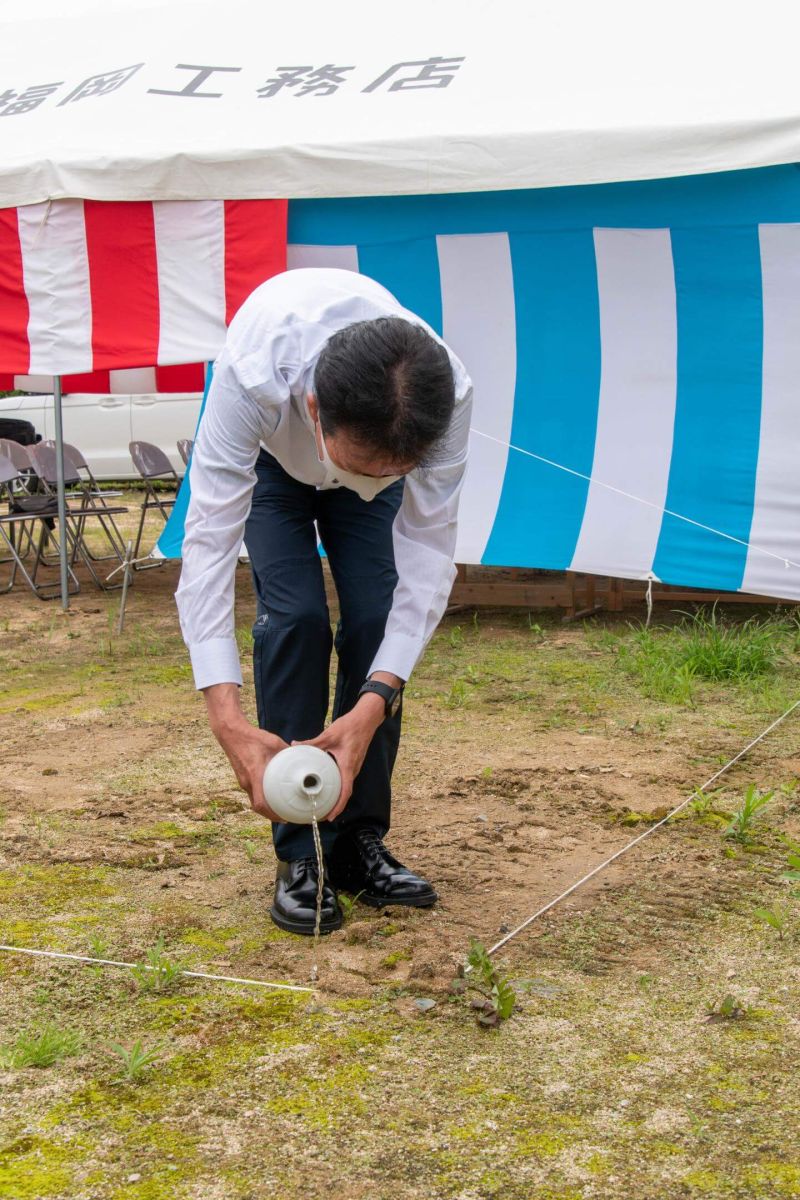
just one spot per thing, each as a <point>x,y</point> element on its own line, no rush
<point>391,696</point>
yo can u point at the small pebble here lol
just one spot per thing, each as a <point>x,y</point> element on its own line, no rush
<point>134,1178</point>
<point>424,1004</point>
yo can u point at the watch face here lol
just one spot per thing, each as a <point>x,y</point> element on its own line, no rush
<point>394,703</point>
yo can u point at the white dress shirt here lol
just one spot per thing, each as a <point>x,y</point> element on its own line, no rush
<point>258,397</point>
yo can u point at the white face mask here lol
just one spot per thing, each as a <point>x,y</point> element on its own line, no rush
<point>365,486</point>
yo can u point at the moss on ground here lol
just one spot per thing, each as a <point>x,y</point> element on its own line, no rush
<point>470,1112</point>
<point>34,1167</point>
<point>54,888</point>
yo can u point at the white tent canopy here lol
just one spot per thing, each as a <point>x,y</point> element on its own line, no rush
<point>140,99</point>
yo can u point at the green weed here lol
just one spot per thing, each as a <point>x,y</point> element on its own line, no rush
<point>727,1009</point>
<point>157,973</point>
<point>703,808</point>
<point>741,827</point>
<point>347,904</point>
<point>535,629</point>
<point>793,874</point>
<point>457,695</point>
<point>700,803</point>
<point>40,1047</point>
<point>495,998</point>
<point>98,946</point>
<point>134,1060</point>
<point>777,918</point>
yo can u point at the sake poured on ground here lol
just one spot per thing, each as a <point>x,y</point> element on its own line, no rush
<point>302,785</point>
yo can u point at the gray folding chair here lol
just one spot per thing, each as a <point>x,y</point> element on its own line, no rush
<point>29,510</point>
<point>152,464</point>
<point>185,446</point>
<point>81,510</point>
<point>93,497</point>
<point>18,455</point>
<point>27,484</point>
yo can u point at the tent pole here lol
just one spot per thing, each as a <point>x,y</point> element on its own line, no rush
<point>62,503</point>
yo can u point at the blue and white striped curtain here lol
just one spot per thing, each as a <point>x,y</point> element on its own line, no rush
<point>645,336</point>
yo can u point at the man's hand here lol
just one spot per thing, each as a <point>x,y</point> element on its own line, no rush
<point>348,740</point>
<point>248,749</point>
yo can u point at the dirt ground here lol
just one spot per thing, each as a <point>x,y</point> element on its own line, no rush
<point>529,755</point>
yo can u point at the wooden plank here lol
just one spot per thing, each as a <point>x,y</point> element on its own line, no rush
<point>663,594</point>
<point>564,591</point>
<point>512,595</point>
<point>572,580</point>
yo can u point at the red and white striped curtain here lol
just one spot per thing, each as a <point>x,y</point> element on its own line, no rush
<point>186,377</point>
<point>90,289</point>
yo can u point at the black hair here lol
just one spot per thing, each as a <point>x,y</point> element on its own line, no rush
<point>389,385</point>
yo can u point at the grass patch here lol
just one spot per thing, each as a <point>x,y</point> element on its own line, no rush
<point>669,664</point>
<point>39,1047</point>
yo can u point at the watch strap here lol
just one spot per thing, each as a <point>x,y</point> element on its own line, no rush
<point>384,690</point>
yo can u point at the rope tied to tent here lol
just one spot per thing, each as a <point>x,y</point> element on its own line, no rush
<point>649,599</point>
<point>610,487</point>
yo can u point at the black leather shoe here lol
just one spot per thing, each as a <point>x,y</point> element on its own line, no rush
<point>361,864</point>
<point>295,905</point>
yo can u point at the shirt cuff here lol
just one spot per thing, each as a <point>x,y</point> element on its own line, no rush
<point>398,655</point>
<point>215,661</point>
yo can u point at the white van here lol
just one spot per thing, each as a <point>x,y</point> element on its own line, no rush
<point>101,426</point>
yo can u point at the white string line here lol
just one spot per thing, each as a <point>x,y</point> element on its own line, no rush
<point>129,562</point>
<point>787,562</point>
<point>110,962</point>
<point>642,836</point>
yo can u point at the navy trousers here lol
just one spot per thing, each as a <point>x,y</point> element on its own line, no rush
<point>292,632</point>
